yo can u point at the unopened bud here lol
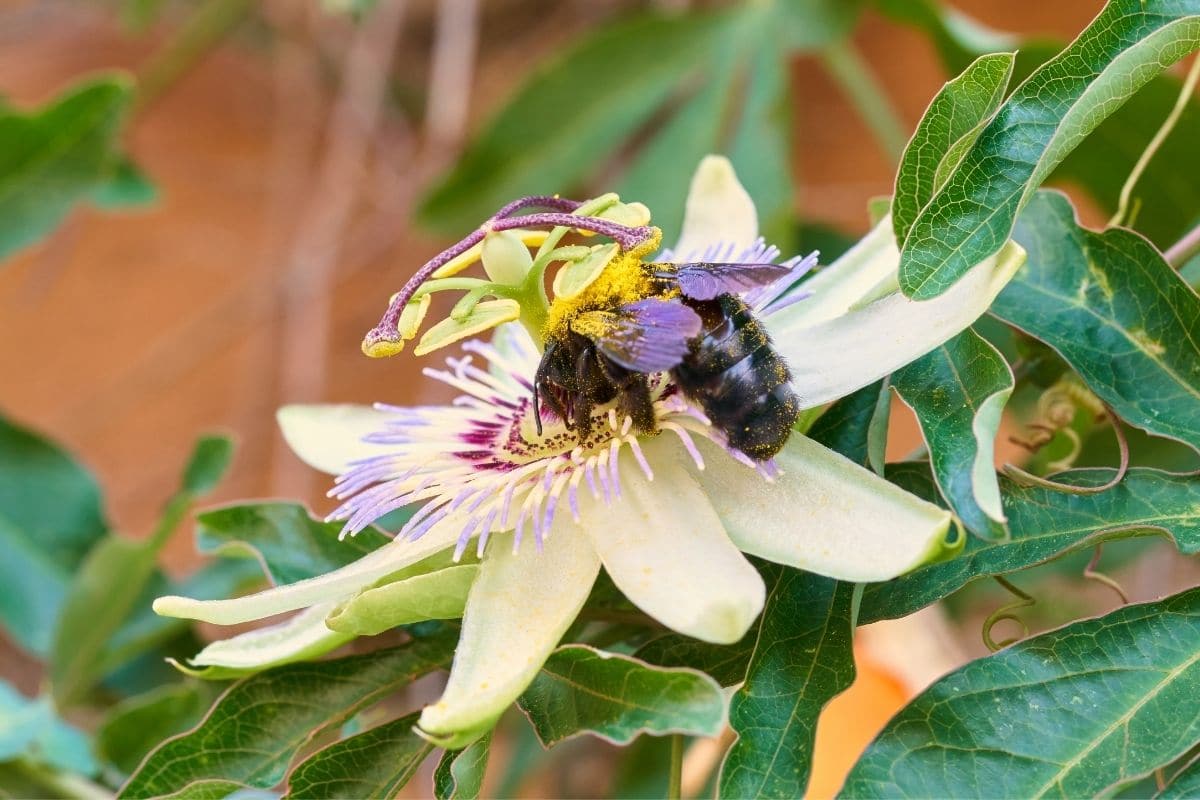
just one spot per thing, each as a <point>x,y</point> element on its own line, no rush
<point>505,257</point>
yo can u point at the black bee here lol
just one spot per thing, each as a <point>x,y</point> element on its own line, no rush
<point>642,318</point>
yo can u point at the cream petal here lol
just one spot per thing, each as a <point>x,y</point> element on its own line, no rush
<point>834,357</point>
<point>517,611</point>
<point>835,288</point>
<point>329,437</point>
<point>330,587</point>
<point>665,548</point>
<point>303,636</point>
<point>719,210</point>
<point>824,513</point>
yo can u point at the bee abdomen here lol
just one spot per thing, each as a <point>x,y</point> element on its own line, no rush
<point>739,380</point>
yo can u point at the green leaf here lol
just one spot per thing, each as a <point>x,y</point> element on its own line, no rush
<point>289,543</point>
<point>136,726</point>
<point>846,425</point>
<point>584,690</point>
<point>257,726</point>
<point>1044,524</point>
<point>1183,784</point>
<point>50,516</point>
<point>374,764</point>
<point>959,39</point>
<point>1076,712</point>
<point>459,773</point>
<point>950,125</point>
<point>114,576</point>
<point>1116,311</point>
<point>31,729</point>
<point>551,134</point>
<point>724,663</point>
<point>207,465</point>
<point>52,158</point>
<point>958,393</point>
<point>804,658</point>
<point>126,187</point>
<point>971,218</point>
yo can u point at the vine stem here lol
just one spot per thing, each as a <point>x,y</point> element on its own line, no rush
<point>1182,251</point>
<point>675,786</point>
<point>1185,93</point>
<point>853,75</point>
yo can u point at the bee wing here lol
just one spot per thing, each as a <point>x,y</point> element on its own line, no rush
<point>650,335</point>
<point>705,280</point>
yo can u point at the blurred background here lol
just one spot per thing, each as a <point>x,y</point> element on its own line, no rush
<point>297,160</point>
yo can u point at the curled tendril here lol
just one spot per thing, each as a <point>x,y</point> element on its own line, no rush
<point>1091,573</point>
<point>1006,612</point>
<point>1028,479</point>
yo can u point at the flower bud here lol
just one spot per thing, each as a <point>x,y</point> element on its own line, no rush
<point>505,257</point>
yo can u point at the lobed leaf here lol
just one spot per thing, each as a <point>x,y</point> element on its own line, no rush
<point>803,658</point>
<point>1076,712</point>
<point>958,393</point>
<point>459,773</point>
<point>55,157</point>
<point>584,690</point>
<point>846,426</point>
<point>1044,524</point>
<point>951,124</point>
<point>369,765</point>
<point>1116,311</point>
<point>724,663</point>
<point>973,215</point>
<point>289,543</point>
<point>257,726</point>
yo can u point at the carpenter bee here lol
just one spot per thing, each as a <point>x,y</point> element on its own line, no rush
<point>640,318</point>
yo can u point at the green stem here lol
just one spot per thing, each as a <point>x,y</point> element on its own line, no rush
<point>62,784</point>
<point>202,31</point>
<point>1185,93</point>
<point>853,75</point>
<point>675,787</point>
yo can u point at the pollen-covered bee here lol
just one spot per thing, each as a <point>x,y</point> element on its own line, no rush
<point>638,318</point>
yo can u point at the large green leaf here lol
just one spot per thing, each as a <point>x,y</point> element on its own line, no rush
<point>257,726</point>
<point>52,158</point>
<point>30,729</point>
<point>50,516</point>
<point>1043,524</point>
<point>1076,712</point>
<point>803,659</point>
<point>459,773</point>
<point>1116,311</point>
<point>114,576</point>
<point>958,393</point>
<point>950,125</point>
<point>847,424</point>
<point>373,764</point>
<point>584,690</point>
<point>135,727</point>
<point>289,543</point>
<point>971,218</point>
<point>724,663</point>
<point>1183,784</point>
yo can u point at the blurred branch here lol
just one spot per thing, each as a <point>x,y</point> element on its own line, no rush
<point>309,277</point>
<point>853,75</point>
<point>454,46</point>
<point>203,30</point>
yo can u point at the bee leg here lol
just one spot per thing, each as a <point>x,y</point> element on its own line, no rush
<point>632,392</point>
<point>541,384</point>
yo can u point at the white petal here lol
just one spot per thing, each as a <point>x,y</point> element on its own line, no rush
<point>303,636</point>
<point>666,549</point>
<point>834,357</point>
<point>329,437</point>
<point>518,608</point>
<point>824,513</point>
<point>719,210</point>
<point>872,261</point>
<point>330,587</point>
